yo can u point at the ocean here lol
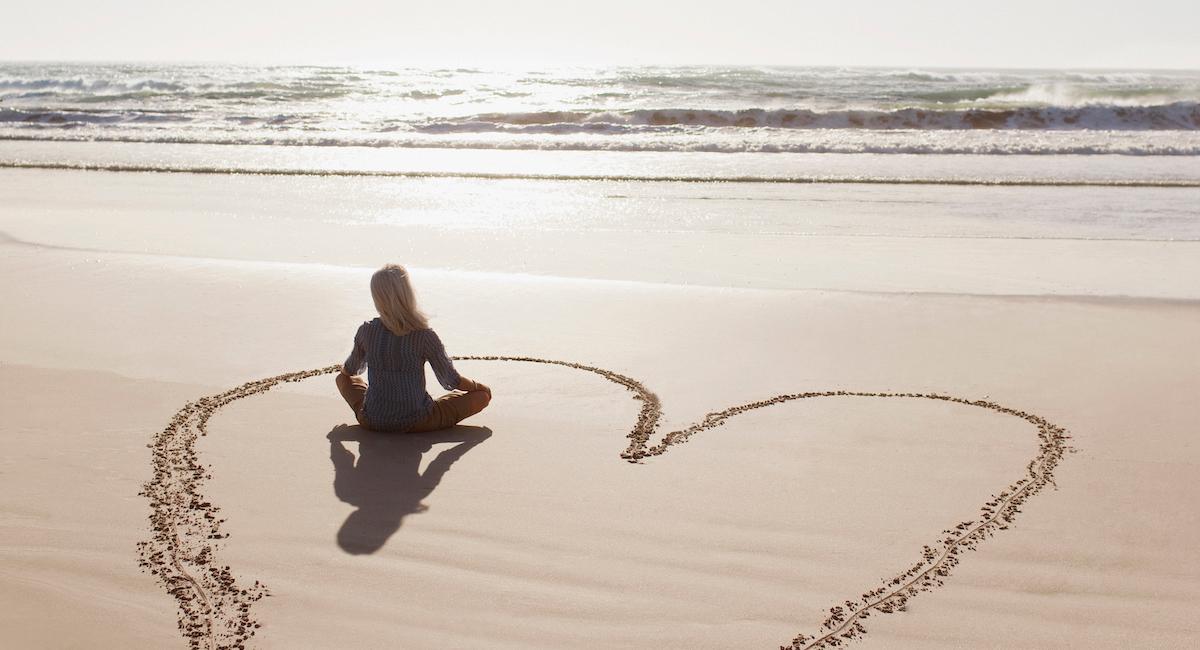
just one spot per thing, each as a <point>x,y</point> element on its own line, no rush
<point>1115,154</point>
<point>715,109</point>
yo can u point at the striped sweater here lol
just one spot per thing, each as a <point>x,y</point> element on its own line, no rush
<point>396,397</point>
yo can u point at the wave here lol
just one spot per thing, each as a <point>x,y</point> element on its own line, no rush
<point>1179,116</point>
<point>81,85</point>
<point>1182,115</point>
<point>807,180</point>
<point>106,90</point>
<point>1080,96</point>
<point>74,118</point>
<point>1037,147</point>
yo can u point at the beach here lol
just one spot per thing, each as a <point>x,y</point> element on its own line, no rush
<point>782,357</point>
<point>129,295</point>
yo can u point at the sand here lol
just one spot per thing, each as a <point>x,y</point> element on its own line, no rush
<point>528,528</point>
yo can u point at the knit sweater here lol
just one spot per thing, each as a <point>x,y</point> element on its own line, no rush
<point>396,397</point>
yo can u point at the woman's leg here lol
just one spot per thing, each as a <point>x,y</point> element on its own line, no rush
<point>452,408</point>
<point>354,391</point>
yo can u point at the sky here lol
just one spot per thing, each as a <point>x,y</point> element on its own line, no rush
<point>539,33</point>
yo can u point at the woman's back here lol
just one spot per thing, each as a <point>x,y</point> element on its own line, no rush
<point>395,364</point>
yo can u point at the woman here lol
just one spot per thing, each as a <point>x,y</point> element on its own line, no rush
<point>394,349</point>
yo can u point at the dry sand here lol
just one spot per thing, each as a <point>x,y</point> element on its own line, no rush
<point>528,528</point>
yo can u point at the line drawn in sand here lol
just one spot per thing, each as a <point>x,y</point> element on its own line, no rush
<point>215,611</point>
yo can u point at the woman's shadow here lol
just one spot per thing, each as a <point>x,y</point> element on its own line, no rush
<point>386,484</point>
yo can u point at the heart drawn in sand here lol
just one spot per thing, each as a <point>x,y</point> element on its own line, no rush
<point>214,609</point>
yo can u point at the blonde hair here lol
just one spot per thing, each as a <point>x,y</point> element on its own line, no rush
<point>395,300</point>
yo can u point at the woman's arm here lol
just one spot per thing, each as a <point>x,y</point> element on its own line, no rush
<point>442,366</point>
<point>357,361</point>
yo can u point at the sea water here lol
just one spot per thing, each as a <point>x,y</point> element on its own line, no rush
<point>1086,154</point>
<point>718,109</point>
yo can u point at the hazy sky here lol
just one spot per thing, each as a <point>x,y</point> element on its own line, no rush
<point>1008,33</point>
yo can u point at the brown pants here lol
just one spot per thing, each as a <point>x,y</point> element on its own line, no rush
<point>448,410</point>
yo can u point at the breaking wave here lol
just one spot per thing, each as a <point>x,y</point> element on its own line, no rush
<point>75,118</point>
<point>1183,115</point>
<point>1178,116</point>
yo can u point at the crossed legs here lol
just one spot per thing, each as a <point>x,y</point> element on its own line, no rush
<point>448,410</point>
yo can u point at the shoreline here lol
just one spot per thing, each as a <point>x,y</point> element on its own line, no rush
<point>497,176</point>
<point>704,166</point>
